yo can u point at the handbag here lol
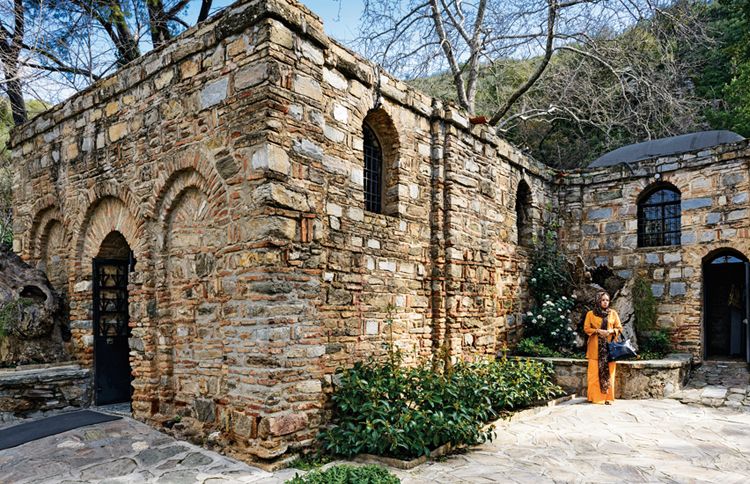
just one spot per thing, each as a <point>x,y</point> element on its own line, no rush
<point>620,350</point>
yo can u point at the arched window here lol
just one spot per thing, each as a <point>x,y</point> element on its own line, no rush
<point>373,172</point>
<point>659,217</point>
<point>523,214</point>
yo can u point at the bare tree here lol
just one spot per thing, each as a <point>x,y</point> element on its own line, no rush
<point>419,37</point>
<point>56,47</point>
<point>10,49</point>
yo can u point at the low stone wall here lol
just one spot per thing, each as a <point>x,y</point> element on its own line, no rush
<point>638,379</point>
<point>32,389</point>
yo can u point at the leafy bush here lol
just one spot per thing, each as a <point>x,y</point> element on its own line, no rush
<point>550,277</point>
<point>549,324</point>
<point>644,305</point>
<point>387,409</point>
<point>346,474</point>
<point>533,347</point>
<point>655,345</point>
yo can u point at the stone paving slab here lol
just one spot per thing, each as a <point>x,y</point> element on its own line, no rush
<point>629,441</point>
<point>717,384</point>
<point>123,451</point>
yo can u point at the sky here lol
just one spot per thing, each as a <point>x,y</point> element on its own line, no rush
<point>340,17</point>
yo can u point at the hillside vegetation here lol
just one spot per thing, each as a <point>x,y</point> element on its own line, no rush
<point>685,71</point>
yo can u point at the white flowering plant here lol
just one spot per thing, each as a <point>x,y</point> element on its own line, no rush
<point>549,324</point>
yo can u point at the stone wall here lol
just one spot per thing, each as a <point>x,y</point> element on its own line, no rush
<point>35,389</point>
<point>600,224</point>
<point>638,379</point>
<point>231,162</point>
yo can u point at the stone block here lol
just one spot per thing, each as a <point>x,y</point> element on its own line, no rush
<point>614,227</point>
<point>737,215</point>
<point>731,179</point>
<point>205,410</point>
<point>214,92</point>
<point>277,195</point>
<point>696,203</point>
<point>314,54</point>
<point>372,327</point>
<point>250,76</point>
<point>310,386</point>
<point>227,167</point>
<point>652,258</point>
<point>334,209</point>
<point>713,218</point>
<point>307,86</point>
<point>688,238</point>
<point>599,213</point>
<point>243,425</point>
<point>677,289</point>
<point>307,148</point>
<point>282,425</point>
<point>340,113</point>
<point>83,286</point>
<point>270,227</point>
<point>333,134</point>
<point>335,80</point>
<point>671,257</point>
<point>740,198</point>
<point>271,157</point>
<point>117,131</point>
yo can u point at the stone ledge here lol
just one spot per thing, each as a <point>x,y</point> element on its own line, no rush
<point>634,379</point>
<point>42,374</point>
<point>26,390</point>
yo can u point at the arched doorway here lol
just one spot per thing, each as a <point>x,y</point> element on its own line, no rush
<point>726,277</point>
<point>112,373</point>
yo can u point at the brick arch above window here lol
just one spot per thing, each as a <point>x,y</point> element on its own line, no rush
<point>659,216</point>
<point>381,148</point>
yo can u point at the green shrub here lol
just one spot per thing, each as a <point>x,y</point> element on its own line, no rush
<point>549,324</point>
<point>655,345</point>
<point>346,474</point>
<point>387,409</point>
<point>550,276</point>
<point>533,347</point>
<point>644,305</point>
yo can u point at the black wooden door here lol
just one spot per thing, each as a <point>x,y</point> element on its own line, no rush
<point>111,332</point>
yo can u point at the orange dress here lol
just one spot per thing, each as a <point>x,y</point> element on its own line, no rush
<point>590,325</point>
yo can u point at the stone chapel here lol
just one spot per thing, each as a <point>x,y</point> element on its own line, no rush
<point>237,214</point>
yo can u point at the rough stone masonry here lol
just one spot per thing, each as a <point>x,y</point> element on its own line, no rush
<point>230,160</point>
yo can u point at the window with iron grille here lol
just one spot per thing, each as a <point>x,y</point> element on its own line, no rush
<point>373,173</point>
<point>659,216</point>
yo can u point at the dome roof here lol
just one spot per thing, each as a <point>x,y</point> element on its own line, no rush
<point>666,146</point>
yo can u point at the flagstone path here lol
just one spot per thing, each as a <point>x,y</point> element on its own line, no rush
<point>718,383</point>
<point>630,441</point>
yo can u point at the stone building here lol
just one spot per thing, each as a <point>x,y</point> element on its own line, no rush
<point>239,213</point>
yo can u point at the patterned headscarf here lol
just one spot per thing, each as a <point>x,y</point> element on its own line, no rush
<point>598,311</point>
<point>603,364</point>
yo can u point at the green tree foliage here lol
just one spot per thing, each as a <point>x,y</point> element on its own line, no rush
<point>725,79</point>
<point>6,178</point>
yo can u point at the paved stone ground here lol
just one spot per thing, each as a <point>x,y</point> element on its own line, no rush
<point>122,451</point>
<point>718,383</point>
<point>630,441</point>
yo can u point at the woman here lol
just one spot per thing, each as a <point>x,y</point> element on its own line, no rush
<point>602,325</point>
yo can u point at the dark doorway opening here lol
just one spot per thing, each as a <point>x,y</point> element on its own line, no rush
<point>725,287</point>
<point>112,372</point>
